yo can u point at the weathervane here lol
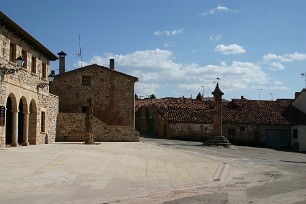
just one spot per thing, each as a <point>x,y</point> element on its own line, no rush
<point>303,74</point>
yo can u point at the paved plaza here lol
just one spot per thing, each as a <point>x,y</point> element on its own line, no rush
<point>101,173</point>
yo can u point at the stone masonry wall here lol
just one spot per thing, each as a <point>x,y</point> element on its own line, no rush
<point>189,131</point>
<point>24,85</point>
<point>112,93</point>
<point>71,128</point>
<point>52,117</point>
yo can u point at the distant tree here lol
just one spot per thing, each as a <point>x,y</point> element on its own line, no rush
<point>199,97</point>
<point>136,96</point>
<point>152,96</point>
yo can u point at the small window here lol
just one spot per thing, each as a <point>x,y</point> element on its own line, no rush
<point>242,128</point>
<point>86,80</point>
<point>12,52</point>
<point>44,71</point>
<point>295,133</point>
<point>33,69</point>
<point>43,121</point>
<point>84,109</point>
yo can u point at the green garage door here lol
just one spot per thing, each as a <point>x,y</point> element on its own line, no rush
<point>276,138</point>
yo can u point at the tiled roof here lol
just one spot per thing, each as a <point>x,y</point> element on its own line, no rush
<point>240,111</point>
<point>191,115</point>
<point>26,37</point>
<point>173,102</point>
<point>97,67</point>
<point>279,112</point>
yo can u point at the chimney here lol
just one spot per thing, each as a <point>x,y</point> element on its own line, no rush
<point>62,56</point>
<point>112,64</point>
<point>296,94</point>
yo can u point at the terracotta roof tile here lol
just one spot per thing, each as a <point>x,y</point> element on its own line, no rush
<point>240,111</point>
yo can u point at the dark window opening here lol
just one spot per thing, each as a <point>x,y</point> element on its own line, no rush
<point>12,52</point>
<point>242,128</point>
<point>295,133</point>
<point>25,58</point>
<point>33,70</point>
<point>86,80</point>
<point>44,71</point>
<point>84,109</point>
<point>43,121</point>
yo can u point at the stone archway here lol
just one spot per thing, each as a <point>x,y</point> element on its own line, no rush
<point>23,122</point>
<point>32,131</point>
<point>11,129</point>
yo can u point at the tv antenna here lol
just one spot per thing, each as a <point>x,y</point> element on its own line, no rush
<point>259,90</point>
<point>79,54</point>
<point>303,74</point>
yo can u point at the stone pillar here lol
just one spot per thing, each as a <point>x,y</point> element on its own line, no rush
<point>89,122</point>
<point>217,120</point>
<point>25,141</point>
<point>15,128</point>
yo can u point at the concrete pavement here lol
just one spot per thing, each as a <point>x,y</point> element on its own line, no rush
<point>102,173</point>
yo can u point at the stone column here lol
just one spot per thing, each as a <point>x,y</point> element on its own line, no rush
<point>25,139</point>
<point>217,120</point>
<point>15,128</point>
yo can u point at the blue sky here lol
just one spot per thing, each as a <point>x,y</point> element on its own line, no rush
<point>175,47</point>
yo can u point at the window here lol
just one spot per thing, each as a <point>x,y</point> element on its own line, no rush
<point>242,129</point>
<point>44,71</point>
<point>295,133</point>
<point>33,69</point>
<point>86,80</point>
<point>12,52</point>
<point>84,109</point>
<point>25,58</point>
<point>43,121</point>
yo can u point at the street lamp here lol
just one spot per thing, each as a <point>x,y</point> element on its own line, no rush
<point>20,61</point>
<point>5,70</point>
<point>50,78</point>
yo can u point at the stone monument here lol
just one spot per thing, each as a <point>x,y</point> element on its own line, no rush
<point>216,138</point>
<point>88,122</point>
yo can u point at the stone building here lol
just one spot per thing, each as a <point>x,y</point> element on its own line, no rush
<point>276,124</point>
<point>174,118</point>
<point>28,111</point>
<point>112,93</point>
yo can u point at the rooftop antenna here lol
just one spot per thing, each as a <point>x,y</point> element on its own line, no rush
<point>303,74</point>
<point>79,54</point>
<point>259,89</point>
<point>203,91</point>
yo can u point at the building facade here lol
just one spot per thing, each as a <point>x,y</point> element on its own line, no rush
<point>112,93</point>
<point>274,124</point>
<point>28,111</point>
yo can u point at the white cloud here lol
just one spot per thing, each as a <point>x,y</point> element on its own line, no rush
<point>284,58</point>
<point>229,49</point>
<point>218,9</point>
<point>169,32</point>
<point>157,71</point>
<point>276,66</point>
<point>275,61</point>
<point>215,38</point>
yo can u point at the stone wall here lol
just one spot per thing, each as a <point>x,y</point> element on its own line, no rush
<point>52,117</point>
<point>249,134</point>
<point>71,128</point>
<point>23,87</point>
<point>112,93</point>
<point>189,131</point>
